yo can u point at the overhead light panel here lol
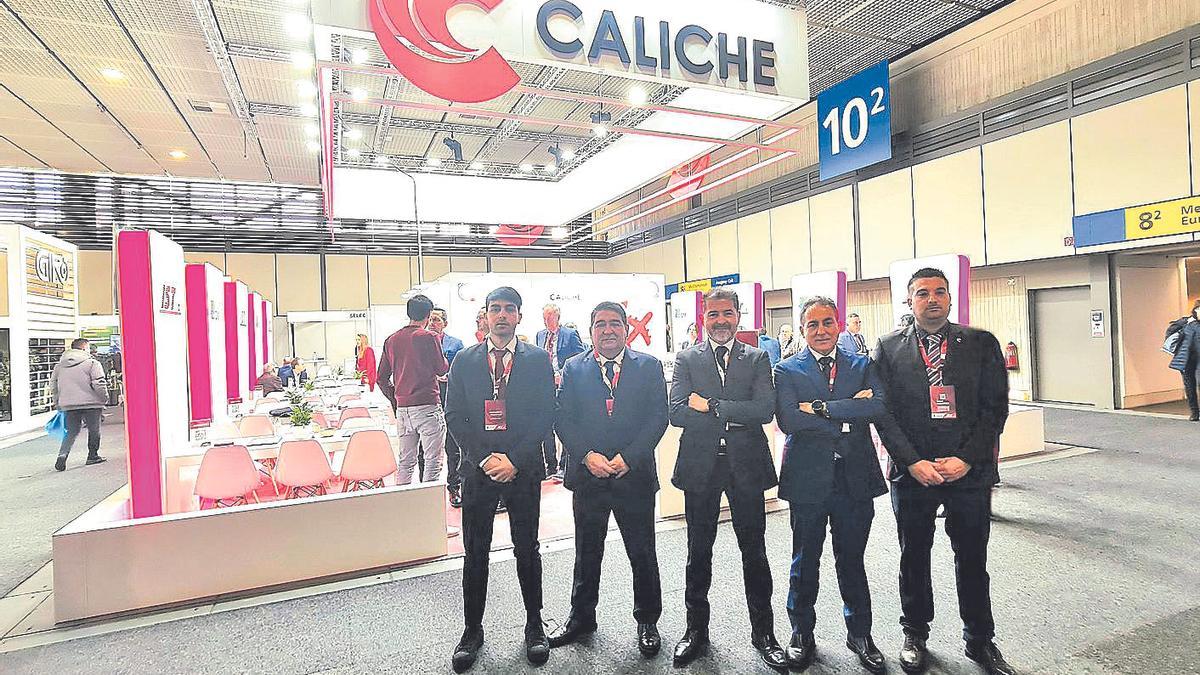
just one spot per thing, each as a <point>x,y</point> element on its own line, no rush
<point>359,95</point>
<point>354,134</point>
<point>177,154</point>
<point>112,74</point>
<point>559,233</point>
<point>297,26</point>
<point>308,110</point>
<point>313,146</point>
<point>527,167</point>
<point>637,96</point>
<point>358,56</point>
<point>433,161</point>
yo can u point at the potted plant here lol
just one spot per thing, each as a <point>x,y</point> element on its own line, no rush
<point>294,395</point>
<point>301,419</point>
<point>360,375</point>
<point>309,386</point>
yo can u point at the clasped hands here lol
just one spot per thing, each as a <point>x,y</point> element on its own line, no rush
<point>499,468</point>
<point>602,467</point>
<point>806,407</point>
<point>940,470</point>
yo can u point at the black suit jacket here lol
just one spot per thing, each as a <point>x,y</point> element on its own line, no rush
<point>637,424</point>
<point>807,475</point>
<point>975,367</point>
<point>747,398</point>
<point>529,406</point>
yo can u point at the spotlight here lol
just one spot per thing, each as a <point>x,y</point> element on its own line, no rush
<point>601,116</point>
<point>313,146</point>
<point>177,154</point>
<point>297,26</point>
<point>311,130</point>
<point>600,130</point>
<point>476,166</point>
<point>358,56</point>
<point>359,95</point>
<point>549,168</point>
<point>306,89</point>
<point>353,153</point>
<point>455,148</point>
<point>637,96</point>
<point>112,74</point>
<point>381,160</point>
<point>354,134</point>
<point>308,110</point>
<point>568,154</point>
<point>433,161</point>
<point>302,60</point>
<point>526,167</point>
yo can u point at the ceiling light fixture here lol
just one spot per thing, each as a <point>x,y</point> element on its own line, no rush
<point>112,74</point>
<point>359,56</point>
<point>600,130</point>
<point>526,167</point>
<point>354,134</point>
<point>353,153</point>
<point>433,161</point>
<point>297,26</point>
<point>302,60</point>
<point>359,95</point>
<point>637,96</point>
<point>568,154</point>
<point>308,110</point>
<point>455,147</point>
<point>306,89</point>
<point>476,166</point>
<point>311,130</point>
<point>313,146</point>
<point>549,168</point>
<point>381,160</point>
<point>177,154</point>
<point>558,233</point>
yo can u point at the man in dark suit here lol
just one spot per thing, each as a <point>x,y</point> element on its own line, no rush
<point>948,396</point>
<point>722,396</point>
<point>501,404</point>
<point>612,412</point>
<point>827,399</point>
<point>562,343</point>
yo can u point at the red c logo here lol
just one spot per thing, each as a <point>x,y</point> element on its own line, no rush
<point>519,235</point>
<point>684,180</point>
<point>415,38</point>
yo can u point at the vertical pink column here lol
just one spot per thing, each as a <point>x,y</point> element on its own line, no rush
<point>199,366</point>
<point>266,319</point>
<point>232,354</point>
<point>252,370</point>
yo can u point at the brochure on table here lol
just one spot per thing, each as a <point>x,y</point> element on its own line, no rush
<point>957,269</point>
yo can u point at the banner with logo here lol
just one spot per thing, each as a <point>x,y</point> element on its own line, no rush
<point>703,285</point>
<point>831,285</point>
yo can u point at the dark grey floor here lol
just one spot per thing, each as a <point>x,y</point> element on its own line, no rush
<point>1092,562</point>
<point>36,500</point>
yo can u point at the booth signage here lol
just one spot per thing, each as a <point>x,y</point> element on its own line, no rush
<point>1178,216</point>
<point>856,122</point>
<point>750,46</point>
<point>703,285</point>
<point>48,272</point>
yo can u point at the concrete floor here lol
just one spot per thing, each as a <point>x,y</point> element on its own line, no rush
<point>1092,562</point>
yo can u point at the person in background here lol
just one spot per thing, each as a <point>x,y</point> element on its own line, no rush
<point>609,436</point>
<point>947,395</point>
<point>408,372</point>
<point>826,399</point>
<point>721,396</point>
<point>1186,358</point>
<point>481,325</point>
<point>851,340</point>
<point>770,345</point>
<point>500,406</point>
<point>690,341</point>
<point>561,343</point>
<point>451,346</point>
<point>788,345</point>
<point>269,381</point>
<point>286,374</point>
<point>80,391</point>
<point>364,362</point>
<point>300,370</point>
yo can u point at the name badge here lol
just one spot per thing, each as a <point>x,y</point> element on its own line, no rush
<point>609,404</point>
<point>845,427</point>
<point>494,416</point>
<point>941,403</point>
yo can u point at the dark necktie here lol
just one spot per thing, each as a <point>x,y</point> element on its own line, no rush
<point>861,342</point>
<point>933,352</point>
<point>722,352</point>
<point>610,372</point>
<point>498,373</point>
<point>826,365</point>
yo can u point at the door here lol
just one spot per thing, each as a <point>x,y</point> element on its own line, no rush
<point>1061,325</point>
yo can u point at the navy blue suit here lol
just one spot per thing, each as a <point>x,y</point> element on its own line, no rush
<point>829,476</point>
<point>567,345</point>
<point>633,431</point>
<point>529,402</point>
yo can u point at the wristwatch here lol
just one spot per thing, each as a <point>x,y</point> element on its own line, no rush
<point>712,405</point>
<point>820,408</point>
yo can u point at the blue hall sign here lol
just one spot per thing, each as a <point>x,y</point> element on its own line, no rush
<point>856,122</point>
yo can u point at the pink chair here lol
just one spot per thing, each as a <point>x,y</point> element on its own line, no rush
<point>348,397</point>
<point>323,421</point>
<point>303,469</point>
<point>257,425</point>
<point>359,423</point>
<point>369,459</point>
<point>351,413</point>
<point>227,475</point>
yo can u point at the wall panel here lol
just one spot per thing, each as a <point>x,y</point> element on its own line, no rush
<point>515,265</point>
<point>672,261</point>
<point>576,266</point>
<point>790,238</point>
<point>435,266</point>
<point>885,216</point>
<point>201,257</point>
<point>299,283</point>
<point>723,249</point>
<point>346,282</point>
<point>831,217</point>
<point>1028,203</point>
<point>94,281</point>
<point>1132,153</point>
<point>698,261</point>
<point>257,270</point>
<point>1194,127</point>
<point>542,265</point>
<point>948,206</point>
<point>754,248</point>
<point>465,264</point>
<point>389,277</point>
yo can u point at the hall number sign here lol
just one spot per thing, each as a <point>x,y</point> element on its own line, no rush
<point>1179,216</point>
<point>856,122</point>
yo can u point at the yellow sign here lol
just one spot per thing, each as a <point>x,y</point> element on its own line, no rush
<point>1179,216</point>
<point>704,286</point>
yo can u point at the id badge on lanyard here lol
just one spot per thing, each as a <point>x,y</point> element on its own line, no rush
<point>612,386</point>
<point>942,404</point>
<point>495,416</point>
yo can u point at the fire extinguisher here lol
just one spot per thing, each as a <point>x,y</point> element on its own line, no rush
<point>1010,357</point>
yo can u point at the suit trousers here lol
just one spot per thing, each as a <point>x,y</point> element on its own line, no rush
<point>849,522</point>
<point>702,509</point>
<point>634,513</point>
<point>968,524</point>
<point>480,495</point>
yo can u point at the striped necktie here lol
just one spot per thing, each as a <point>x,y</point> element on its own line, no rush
<point>933,351</point>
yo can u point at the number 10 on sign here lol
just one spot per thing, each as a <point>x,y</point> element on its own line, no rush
<point>856,122</point>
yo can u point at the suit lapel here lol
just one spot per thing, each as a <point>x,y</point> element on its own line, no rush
<point>709,367</point>
<point>808,363</point>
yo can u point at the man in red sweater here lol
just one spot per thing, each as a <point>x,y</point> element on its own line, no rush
<point>408,376</point>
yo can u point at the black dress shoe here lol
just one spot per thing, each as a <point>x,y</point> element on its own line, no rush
<point>455,498</point>
<point>769,651</point>
<point>571,631</point>
<point>1194,417</point>
<point>986,654</point>
<point>866,651</point>
<point>95,460</point>
<point>468,649</point>
<point>537,647</point>
<point>649,641</point>
<point>60,464</point>
<point>913,654</point>
<point>800,651</point>
<point>693,644</point>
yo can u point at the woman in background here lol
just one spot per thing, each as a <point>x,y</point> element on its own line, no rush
<point>365,361</point>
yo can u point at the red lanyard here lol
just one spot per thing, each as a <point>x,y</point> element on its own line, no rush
<point>492,371</point>
<point>925,356</point>
<point>832,374</point>
<point>612,386</point>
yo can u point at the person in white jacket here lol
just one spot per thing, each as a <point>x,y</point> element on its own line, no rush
<point>80,391</point>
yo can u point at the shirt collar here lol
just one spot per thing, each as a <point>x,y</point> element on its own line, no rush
<point>511,347</point>
<point>601,359</point>
<point>944,331</point>
<point>728,345</point>
<point>818,355</point>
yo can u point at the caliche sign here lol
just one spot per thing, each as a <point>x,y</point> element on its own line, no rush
<point>742,45</point>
